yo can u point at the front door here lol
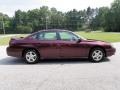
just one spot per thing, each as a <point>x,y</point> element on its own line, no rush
<point>69,48</point>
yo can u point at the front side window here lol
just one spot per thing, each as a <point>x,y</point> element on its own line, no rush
<point>47,36</point>
<point>67,36</point>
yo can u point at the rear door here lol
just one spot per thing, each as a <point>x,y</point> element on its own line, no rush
<point>47,42</point>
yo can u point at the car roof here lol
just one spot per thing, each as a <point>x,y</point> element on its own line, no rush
<point>53,30</point>
<point>48,30</point>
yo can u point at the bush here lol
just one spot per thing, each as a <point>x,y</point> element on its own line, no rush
<point>88,30</point>
<point>23,29</point>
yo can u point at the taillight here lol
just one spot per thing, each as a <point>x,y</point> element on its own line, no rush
<point>11,42</point>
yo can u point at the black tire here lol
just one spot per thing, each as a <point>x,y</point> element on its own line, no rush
<point>97,54</point>
<point>31,56</point>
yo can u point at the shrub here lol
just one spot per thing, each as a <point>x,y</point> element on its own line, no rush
<point>23,29</point>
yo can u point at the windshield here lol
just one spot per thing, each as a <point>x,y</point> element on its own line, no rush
<point>79,36</point>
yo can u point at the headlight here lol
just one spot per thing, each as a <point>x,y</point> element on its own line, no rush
<point>112,45</point>
<point>108,46</point>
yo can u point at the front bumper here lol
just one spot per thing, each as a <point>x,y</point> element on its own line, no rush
<point>110,52</point>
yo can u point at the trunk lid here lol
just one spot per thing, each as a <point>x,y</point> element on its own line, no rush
<point>13,40</point>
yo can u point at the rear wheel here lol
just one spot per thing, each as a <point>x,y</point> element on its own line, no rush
<point>97,55</point>
<point>31,56</point>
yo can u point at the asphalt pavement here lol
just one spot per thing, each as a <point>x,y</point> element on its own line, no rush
<point>79,74</point>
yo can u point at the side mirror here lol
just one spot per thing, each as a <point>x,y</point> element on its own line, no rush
<point>79,40</point>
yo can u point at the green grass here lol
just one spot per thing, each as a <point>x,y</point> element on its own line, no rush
<point>4,41</point>
<point>105,36</point>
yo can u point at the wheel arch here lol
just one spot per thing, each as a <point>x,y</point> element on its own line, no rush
<point>30,48</point>
<point>97,47</point>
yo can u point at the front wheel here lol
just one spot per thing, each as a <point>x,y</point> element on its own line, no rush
<point>97,55</point>
<point>31,56</point>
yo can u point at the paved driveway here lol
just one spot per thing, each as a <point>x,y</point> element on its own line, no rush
<point>60,75</point>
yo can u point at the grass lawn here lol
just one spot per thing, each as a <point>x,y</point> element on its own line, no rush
<point>105,36</point>
<point>4,41</point>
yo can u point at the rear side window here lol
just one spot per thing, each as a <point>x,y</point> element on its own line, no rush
<point>47,36</point>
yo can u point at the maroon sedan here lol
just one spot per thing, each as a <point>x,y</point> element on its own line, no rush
<point>49,44</point>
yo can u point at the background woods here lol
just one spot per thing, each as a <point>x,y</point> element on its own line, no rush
<point>104,18</point>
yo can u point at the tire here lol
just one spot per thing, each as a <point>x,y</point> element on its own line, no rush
<point>31,56</point>
<point>97,55</point>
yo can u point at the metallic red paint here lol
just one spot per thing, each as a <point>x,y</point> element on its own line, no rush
<point>57,48</point>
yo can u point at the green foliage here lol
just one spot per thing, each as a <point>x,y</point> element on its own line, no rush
<point>73,20</point>
<point>4,22</point>
<point>23,29</point>
<point>99,20</point>
<point>108,18</point>
<point>51,18</point>
<point>113,17</point>
<point>45,18</point>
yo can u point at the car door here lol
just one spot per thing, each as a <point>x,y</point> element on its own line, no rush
<point>69,48</point>
<point>47,42</point>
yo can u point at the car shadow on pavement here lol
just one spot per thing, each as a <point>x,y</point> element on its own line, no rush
<point>69,61</point>
<point>18,61</point>
<point>11,61</point>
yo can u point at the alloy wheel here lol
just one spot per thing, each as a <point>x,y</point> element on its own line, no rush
<point>31,56</point>
<point>97,55</point>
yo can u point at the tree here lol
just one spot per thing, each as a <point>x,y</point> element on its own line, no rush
<point>99,20</point>
<point>57,19</point>
<point>4,23</point>
<point>23,29</point>
<point>45,18</point>
<point>73,20</point>
<point>113,17</point>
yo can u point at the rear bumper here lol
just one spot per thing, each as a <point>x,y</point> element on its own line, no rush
<point>13,51</point>
<point>110,52</point>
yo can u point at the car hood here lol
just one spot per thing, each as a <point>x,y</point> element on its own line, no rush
<point>100,42</point>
